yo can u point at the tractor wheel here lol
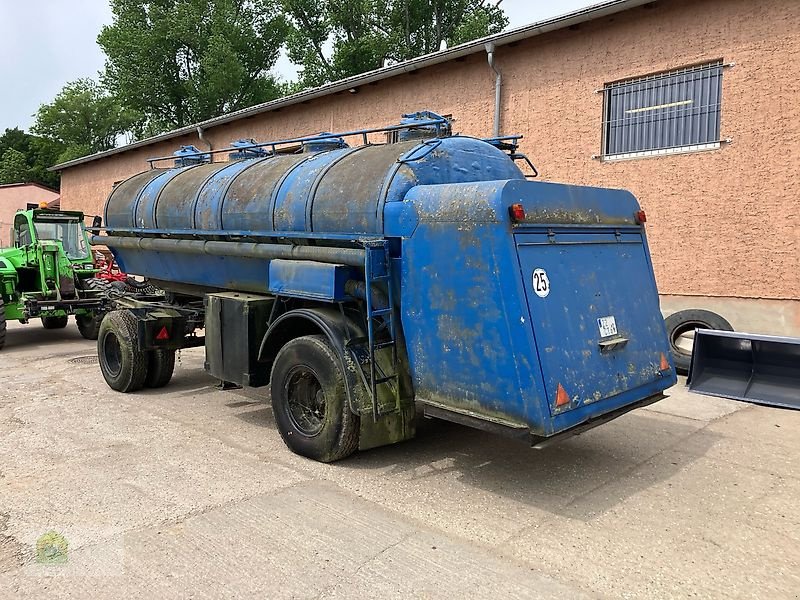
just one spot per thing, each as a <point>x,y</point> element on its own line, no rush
<point>160,366</point>
<point>2,324</point>
<point>123,365</point>
<point>89,325</point>
<point>98,285</point>
<point>310,402</point>
<point>54,322</point>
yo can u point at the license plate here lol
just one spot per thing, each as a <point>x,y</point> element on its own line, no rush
<point>48,308</point>
<point>607,326</point>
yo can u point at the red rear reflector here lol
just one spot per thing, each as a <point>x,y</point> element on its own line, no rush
<point>641,217</point>
<point>562,397</point>
<point>517,212</point>
<point>664,366</point>
<point>163,334</point>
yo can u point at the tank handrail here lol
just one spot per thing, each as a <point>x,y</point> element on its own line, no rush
<point>273,144</point>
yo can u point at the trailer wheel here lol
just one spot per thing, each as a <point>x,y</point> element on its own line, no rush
<point>54,322</point>
<point>89,325</point>
<point>160,366</point>
<point>123,365</point>
<point>310,402</point>
<point>680,329</point>
<point>2,324</point>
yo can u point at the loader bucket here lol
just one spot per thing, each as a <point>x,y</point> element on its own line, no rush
<point>763,369</point>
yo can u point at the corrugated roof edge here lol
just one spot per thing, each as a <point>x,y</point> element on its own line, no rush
<point>589,13</point>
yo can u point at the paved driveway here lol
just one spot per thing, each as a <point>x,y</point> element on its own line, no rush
<point>189,492</point>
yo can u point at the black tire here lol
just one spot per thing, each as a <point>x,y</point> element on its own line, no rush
<point>310,402</point>
<point>54,322</point>
<point>2,324</point>
<point>123,365</point>
<point>684,322</point>
<point>160,366</point>
<point>119,287</point>
<point>98,285</point>
<point>89,325</point>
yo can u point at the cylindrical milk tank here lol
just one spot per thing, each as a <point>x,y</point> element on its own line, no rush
<point>342,190</point>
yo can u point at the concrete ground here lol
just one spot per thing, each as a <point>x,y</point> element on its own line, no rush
<point>189,492</point>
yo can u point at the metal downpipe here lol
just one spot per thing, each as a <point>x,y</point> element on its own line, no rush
<point>498,82</point>
<point>202,137</point>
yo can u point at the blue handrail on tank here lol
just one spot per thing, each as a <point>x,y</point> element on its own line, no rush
<point>438,120</point>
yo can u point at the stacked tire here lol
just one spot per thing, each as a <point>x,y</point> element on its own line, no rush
<point>680,330</point>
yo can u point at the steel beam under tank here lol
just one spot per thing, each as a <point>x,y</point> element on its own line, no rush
<point>344,256</point>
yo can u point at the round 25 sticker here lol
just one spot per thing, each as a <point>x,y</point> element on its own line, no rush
<point>541,284</point>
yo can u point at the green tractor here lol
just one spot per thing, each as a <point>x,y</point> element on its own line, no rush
<point>49,273</point>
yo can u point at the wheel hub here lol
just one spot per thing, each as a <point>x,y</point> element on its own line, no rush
<point>306,400</point>
<point>112,354</point>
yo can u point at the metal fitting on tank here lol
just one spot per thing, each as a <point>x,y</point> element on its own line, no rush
<point>324,143</point>
<point>247,148</point>
<point>190,155</point>
<point>442,129</point>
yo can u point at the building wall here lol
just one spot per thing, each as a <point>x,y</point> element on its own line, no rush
<point>722,223</point>
<point>15,197</point>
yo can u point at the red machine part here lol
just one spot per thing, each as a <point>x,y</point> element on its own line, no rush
<point>108,268</point>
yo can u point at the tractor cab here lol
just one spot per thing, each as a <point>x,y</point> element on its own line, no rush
<point>48,226</point>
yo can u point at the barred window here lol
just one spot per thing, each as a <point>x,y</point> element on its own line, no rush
<point>663,113</point>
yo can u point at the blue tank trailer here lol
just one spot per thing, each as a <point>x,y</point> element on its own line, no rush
<point>365,285</point>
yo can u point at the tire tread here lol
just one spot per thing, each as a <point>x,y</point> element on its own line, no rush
<point>123,324</point>
<point>346,442</point>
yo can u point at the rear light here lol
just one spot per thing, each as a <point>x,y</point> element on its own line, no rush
<point>517,212</point>
<point>641,217</point>
<point>163,335</point>
<point>562,397</point>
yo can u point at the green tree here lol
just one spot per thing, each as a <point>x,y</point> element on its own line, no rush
<point>84,118</point>
<point>178,62</point>
<point>40,153</point>
<point>13,167</point>
<point>333,39</point>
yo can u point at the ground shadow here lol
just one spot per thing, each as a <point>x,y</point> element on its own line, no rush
<point>578,478</point>
<point>22,338</point>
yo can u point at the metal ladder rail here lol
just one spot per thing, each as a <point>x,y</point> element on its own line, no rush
<point>371,276</point>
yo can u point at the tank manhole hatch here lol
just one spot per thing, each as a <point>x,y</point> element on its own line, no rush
<point>84,360</point>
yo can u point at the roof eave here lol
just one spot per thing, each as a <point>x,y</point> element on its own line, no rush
<point>499,39</point>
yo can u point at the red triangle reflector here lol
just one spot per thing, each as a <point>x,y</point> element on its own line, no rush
<point>664,366</point>
<point>163,334</point>
<point>562,397</point>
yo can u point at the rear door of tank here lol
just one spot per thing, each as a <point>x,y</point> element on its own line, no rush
<point>594,312</point>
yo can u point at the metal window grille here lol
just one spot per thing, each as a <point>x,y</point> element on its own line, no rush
<point>676,109</point>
